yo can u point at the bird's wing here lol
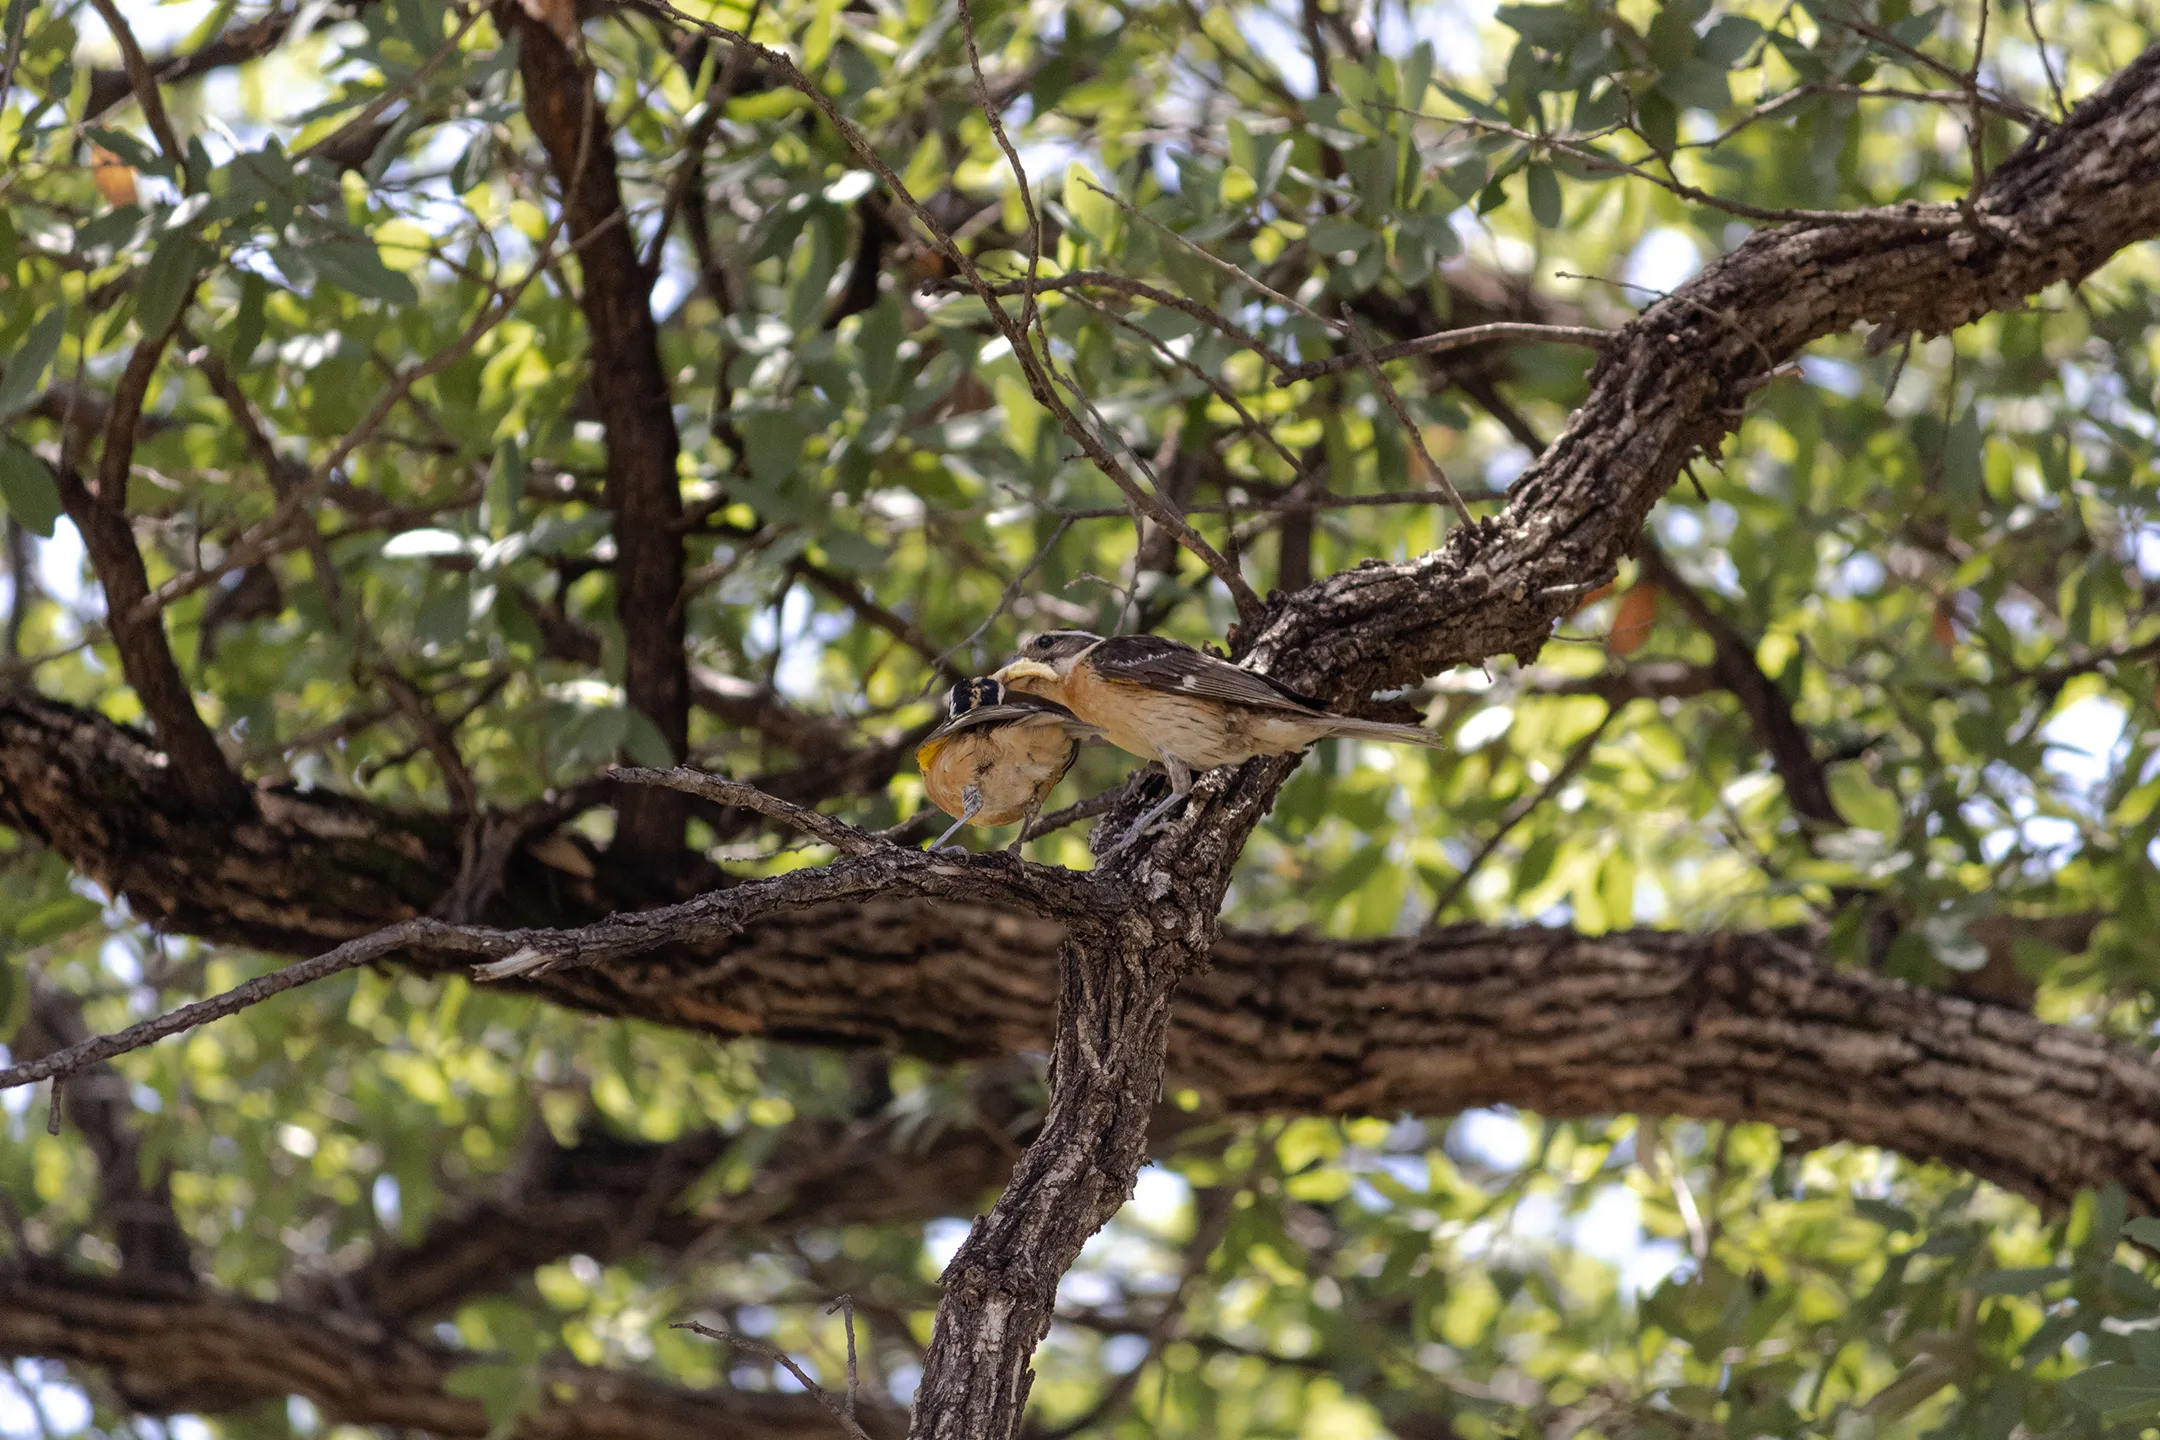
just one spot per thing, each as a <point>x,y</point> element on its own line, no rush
<point>1164,664</point>
<point>1016,709</point>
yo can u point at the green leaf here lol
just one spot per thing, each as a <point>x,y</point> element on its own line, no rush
<point>506,1393</point>
<point>1544,187</point>
<point>28,490</point>
<point>359,267</point>
<point>26,367</point>
<point>165,285</point>
<point>247,326</point>
<point>1552,27</point>
<point>506,484</point>
<point>1896,1220</point>
<point>2145,1230</point>
<point>1729,41</point>
<point>2022,1281</point>
<point>2118,1392</point>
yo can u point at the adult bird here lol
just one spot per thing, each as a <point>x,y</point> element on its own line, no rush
<point>1165,701</point>
<point>998,755</point>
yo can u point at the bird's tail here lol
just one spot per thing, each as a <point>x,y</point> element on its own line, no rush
<point>1382,730</point>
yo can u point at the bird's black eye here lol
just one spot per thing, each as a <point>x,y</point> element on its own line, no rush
<point>1042,642</point>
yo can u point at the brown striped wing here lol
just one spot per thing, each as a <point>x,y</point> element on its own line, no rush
<point>1171,665</point>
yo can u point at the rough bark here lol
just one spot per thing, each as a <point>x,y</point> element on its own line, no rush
<point>173,1353</point>
<point>1732,1026</point>
<point>1668,387</point>
<point>631,391</point>
<point>1726,1026</point>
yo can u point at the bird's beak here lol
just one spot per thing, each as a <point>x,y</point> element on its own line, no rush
<point>1019,673</point>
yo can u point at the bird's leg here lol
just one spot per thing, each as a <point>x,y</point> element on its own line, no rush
<point>1180,787</point>
<point>1034,810</point>
<point>971,798</point>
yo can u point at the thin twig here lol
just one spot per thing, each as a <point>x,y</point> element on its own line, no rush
<point>2047,66</point>
<point>1402,413</point>
<point>1012,593</point>
<point>844,1304</point>
<point>837,833</point>
<point>1293,504</point>
<point>144,84</point>
<point>1976,126</point>
<point>1596,159</point>
<point>1235,272</point>
<point>1447,340</point>
<point>392,94</point>
<point>1221,391</point>
<point>1520,811</point>
<point>1030,312</point>
<point>1140,289</point>
<point>64,1062</point>
<point>786,1361</point>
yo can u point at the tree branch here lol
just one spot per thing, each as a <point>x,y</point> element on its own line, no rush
<point>170,1354</point>
<point>633,396</point>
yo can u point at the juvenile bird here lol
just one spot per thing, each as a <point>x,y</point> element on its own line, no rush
<point>1166,701</point>
<point>998,755</point>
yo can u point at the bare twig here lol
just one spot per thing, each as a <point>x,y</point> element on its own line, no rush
<point>881,869</point>
<point>65,1062</point>
<point>2047,66</point>
<point>330,143</point>
<point>1447,340</point>
<point>844,1306</point>
<point>1520,811</point>
<point>1221,391</point>
<point>145,87</point>
<point>1030,312</point>
<point>1235,272</point>
<point>1394,402</point>
<point>837,833</point>
<point>842,1413</point>
<point>1012,592</point>
<point>1293,503</point>
<point>1140,289</point>
<point>1976,125</point>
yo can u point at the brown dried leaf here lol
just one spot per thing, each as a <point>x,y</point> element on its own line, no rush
<point>1632,620</point>
<point>114,177</point>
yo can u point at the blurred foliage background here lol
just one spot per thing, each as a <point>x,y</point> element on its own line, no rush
<point>1941,557</point>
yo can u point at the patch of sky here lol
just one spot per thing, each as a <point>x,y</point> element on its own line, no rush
<point>1662,260</point>
<point>1857,574</point>
<point>1494,1138</point>
<point>1507,465</point>
<point>800,637</point>
<point>942,1239</point>
<point>1839,377</point>
<point>2081,740</point>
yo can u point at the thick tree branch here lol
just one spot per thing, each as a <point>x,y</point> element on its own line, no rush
<point>206,779</point>
<point>170,1354</point>
<point>633,396</point>
<point>1277,1023</point>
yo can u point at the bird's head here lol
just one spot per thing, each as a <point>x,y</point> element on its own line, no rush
<point>973,694</point>
<point>1045,660</point>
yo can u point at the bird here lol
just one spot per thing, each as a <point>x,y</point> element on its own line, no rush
<point>998,755</point>
<point>1163,700</point>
